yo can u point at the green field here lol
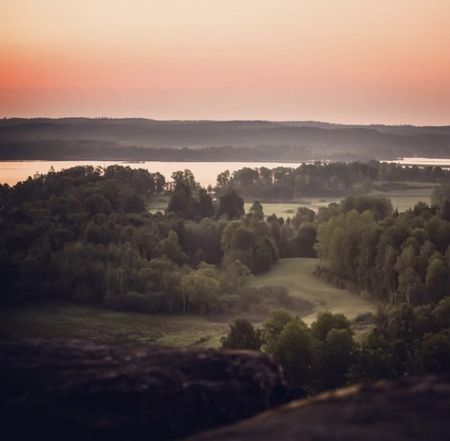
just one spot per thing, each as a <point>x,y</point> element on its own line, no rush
<point>158,203</point>
<point>297,276</point>
<point>402,199</point>
<point>104,326</point>
<point>288,209</point>
<point>408,197</point>
<point>55,320</point>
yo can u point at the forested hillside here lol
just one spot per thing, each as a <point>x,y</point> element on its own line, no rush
<point>83,138</point>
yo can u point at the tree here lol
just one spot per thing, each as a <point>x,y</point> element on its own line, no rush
<point>171,248</point>
<point>204,207</point>
<point>242,335</point>
<point>201,289</point>
<point>245,176</point>
<point>265,255</point>
<point>223,179</point>
<point>433,353</point>
<point>256,211</point>
<point>436,280</point>
<point>336,356</point>
<point>97,203</point>
<point>181,200</point>
<point>381,207</point>
<point>302,215</point>
<point>326,321</point>
<point>411,287</point>
<point>294,351</point>
<point>184,179</point>
<point>440,199</point>
<point>234,277</point>
<point>441,314</point>
<point>302,244</point>
<point>231,205</point>
<point>273,327</point>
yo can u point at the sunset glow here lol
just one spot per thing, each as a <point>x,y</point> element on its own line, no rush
<point>343,61</point>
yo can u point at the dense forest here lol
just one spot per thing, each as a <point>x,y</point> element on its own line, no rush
<point>396,257</point>
<point>87,235</point>
<point>325,179</point>
<point>404,340</point>
<point>133,139</point>
<point>402,261</point>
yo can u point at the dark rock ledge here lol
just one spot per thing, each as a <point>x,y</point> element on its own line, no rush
<point>83,391</point>
<point>410,409</point>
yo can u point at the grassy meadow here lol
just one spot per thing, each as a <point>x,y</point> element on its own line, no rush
<point>406,196</point>
<point>68,321</point>
<point>403,198</point>
<point>288,209</point>
<point>296,274</point>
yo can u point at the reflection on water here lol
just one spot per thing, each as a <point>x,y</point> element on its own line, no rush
<point>417,160</point>
<point>206,173</point>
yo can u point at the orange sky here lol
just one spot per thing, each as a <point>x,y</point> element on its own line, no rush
<point>384,61</point>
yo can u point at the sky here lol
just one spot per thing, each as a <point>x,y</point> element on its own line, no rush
<point>348,61</point>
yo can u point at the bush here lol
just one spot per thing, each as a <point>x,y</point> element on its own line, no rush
<point>242,335</point>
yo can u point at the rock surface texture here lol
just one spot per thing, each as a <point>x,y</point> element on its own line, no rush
<point>82,391</point>
<point>79,391</point>
<point>413,409</point>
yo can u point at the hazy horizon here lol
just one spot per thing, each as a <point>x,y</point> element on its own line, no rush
<point>292,121</point>
<point>347,62</point>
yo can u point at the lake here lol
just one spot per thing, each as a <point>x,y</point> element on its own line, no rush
<point>422,161</point>
<point>205,173</point>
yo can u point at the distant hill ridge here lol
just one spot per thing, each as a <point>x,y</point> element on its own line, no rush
<point>74,138</point>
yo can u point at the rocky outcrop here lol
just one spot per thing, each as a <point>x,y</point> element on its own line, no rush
<point>412,409</point>
<point>82,391</point>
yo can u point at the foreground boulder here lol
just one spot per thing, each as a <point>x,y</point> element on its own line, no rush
<point>83,391</point>
<point>413,409</point>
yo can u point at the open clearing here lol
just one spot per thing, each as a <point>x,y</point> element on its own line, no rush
<point>408,197</point>
<point>104,326</point>
<point>297,276</point>
<point>402,199</point>
<point>59,320</point>
<point>288,209</point>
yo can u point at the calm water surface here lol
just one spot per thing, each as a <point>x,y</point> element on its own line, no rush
<point>206,173</point>
<point>421,161</point>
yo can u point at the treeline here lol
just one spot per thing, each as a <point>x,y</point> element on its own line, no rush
<point>86,234</point>
<point>403,260</point>
<point>109,150</point>
<point>404,340</point>
<point>324,179</point>
<point>395,257</point>
<point>319,140</point>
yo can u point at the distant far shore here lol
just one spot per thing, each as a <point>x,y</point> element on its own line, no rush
<point>244,141</point>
